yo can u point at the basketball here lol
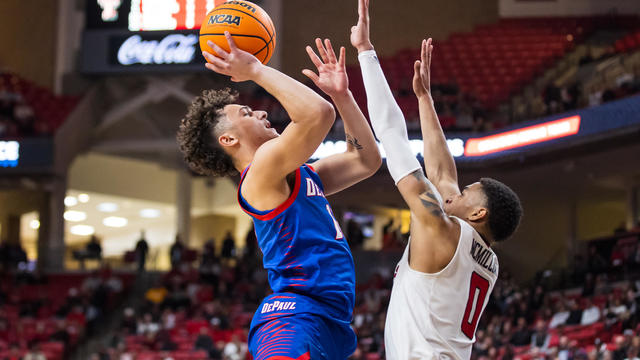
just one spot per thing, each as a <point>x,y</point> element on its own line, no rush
<point>250,26</point>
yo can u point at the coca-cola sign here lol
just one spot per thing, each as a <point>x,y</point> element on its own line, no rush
<point>115,51</point>
<point>172,49</point>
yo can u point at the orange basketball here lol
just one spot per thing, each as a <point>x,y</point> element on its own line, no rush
<point>250,26</point>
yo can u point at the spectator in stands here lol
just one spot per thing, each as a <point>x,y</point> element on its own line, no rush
<point>540,338</point>
<point>34,352</point>
<point>176,252</point>
<point>575,314</point>
<point>522,335</point>
<point>61,334</point>
<point>141,251</point>
<point>595,262</point>
<point>93,250</point>
<point>591,313</point>
<point>235,350</point>
<point>228,246</point>
<point>146,325</point>
<point>205,342</point>
<point>560,316</point>
<point>129,321</point>
<point>14,353</point>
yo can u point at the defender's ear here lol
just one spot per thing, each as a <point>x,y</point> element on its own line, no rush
<point>478,214</point>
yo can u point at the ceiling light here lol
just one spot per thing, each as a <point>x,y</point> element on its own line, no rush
<point>108,207</point>
<point>83,198</point>
<point>70,201</point>
<point>75,216</point>
<point>150,213</point>
<point>115,221</point>
<point>82,230</point>
<point>34,224</point>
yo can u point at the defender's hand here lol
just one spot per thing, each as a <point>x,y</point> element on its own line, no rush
<point>332,73</point>
<point>422,70</point>
<point>360,38</point>
<point>237,63</point>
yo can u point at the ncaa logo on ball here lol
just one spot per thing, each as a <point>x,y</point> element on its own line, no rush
<point>224,19</point>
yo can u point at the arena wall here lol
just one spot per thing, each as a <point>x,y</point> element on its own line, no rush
<point>29,48</point>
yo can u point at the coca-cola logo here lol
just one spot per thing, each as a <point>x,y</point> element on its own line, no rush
<point>172,49</point>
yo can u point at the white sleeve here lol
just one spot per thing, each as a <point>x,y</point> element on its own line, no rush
<point>386,118</point>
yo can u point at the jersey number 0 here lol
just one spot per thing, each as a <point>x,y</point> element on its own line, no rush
<point>478,289</point>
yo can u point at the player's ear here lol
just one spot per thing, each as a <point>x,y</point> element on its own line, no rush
<point>478,214</point>
<point>227,140</point>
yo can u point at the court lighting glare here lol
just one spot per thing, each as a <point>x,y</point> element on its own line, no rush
<point>115,221</point>
<point>75,216</point>
<point>70,201</point>
<point>83,198</point>
<point>34,224</point>
<point>149,213</point>
<point>82,230</point>
<point>108,207</point>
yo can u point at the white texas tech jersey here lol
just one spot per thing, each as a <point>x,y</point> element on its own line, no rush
<point>434,316</point>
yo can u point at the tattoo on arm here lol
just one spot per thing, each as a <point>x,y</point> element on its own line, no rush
<point>419,175</point>
<point>430,202</point>
<point>428,199</point>
<point>353,142</point>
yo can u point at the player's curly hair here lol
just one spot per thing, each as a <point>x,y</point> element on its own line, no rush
<point>505,210</point>
<point>195,135</point>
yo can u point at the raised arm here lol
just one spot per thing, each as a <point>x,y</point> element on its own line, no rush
<point>434,235</point>
<point>311,115</point>
<point>361,159</point>
<point>438,162</point>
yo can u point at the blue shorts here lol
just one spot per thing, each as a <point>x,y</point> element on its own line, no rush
<point>301,337</point>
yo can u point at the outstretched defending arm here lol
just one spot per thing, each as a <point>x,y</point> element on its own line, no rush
<point>361,158</point>
<point>435,234</point>
<point>438,162</point>
<point>387,119</point>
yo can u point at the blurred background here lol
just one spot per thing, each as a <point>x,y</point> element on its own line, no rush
<point>110,248</point>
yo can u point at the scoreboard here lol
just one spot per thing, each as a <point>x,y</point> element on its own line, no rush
<point>124,36</point>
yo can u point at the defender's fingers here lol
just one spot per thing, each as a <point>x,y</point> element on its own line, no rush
<point>314,58</point>
<point>311,75</point>
<point>322,51</point>
<point>330,52</point>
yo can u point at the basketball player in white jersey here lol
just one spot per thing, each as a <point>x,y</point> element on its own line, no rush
<point>444,279</point>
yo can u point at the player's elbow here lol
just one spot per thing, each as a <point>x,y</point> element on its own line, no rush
<point>325,113</point>
<point>372,162</point>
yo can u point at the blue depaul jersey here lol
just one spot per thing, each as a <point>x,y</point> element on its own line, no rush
<point>306,255</point>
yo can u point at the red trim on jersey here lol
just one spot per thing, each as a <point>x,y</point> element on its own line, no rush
<point>278,210</point>
<point>311,167</point>
<point>305,356</point>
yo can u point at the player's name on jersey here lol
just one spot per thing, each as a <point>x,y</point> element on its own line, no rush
<point>483,256</point>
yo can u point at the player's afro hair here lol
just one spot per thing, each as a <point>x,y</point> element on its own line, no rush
<point>196,134</point>
<point>505,210</point>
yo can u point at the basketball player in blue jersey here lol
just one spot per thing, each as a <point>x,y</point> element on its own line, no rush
<point>309,263</point>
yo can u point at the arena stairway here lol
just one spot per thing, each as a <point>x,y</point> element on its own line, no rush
<point>103,335</point>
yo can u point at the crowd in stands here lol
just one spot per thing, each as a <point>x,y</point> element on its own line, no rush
<point>191,313</point>
<point>28,110</point>
<point>43,317</point>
